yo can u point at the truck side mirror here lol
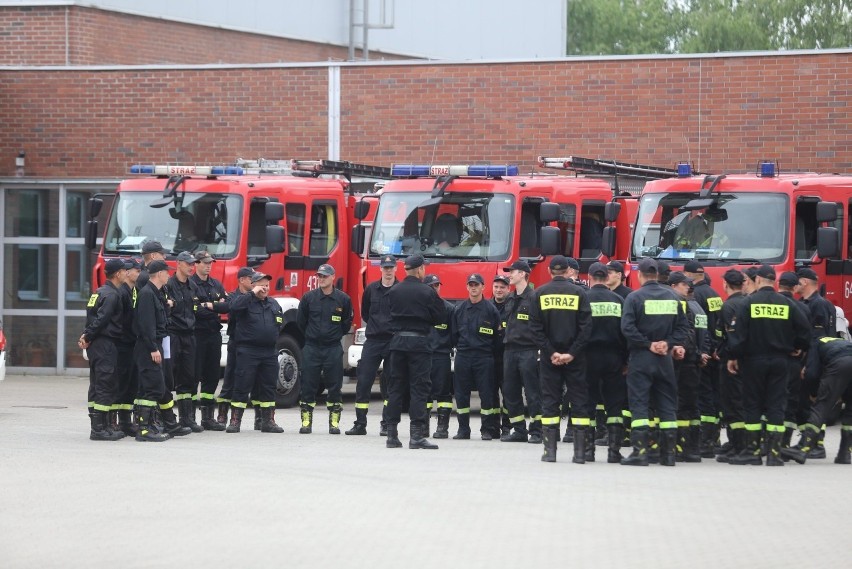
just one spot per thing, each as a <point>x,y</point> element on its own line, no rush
<point>549,237</point>
<point>611,211</point>
<point>274,212</point>
<point>274,239</point>
<point>359,235</point>
<point>95,205</point>
<point>362,208</point>
<point>826,212</point>
<point>548,212</point>
<point>91,233</point>
<point>828,242</point>
<point>608,241</point>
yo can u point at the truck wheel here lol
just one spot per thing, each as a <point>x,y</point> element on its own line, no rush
<point>289,366</point>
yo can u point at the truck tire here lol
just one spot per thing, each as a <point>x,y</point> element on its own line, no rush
<point>289,372</point>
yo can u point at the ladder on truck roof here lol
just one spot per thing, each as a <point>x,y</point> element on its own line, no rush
<point>611,168</point>
<point>314,168</point>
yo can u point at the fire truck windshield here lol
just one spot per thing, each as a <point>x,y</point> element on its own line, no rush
<point>200,221</point>
<point>455,225</point>
<point>727,227</point>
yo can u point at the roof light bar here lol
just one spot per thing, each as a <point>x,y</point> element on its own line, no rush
<point>434,171</point>
<point>767,169</point>
<point>684,170</point>
<point>186,170</point>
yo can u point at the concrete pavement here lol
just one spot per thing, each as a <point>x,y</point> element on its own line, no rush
<point>264,500</point>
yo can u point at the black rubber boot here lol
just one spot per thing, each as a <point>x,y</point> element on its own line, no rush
<point>549,435</point>
<point>726,447</point>
<point>267,421</point>
<point>535,432</point>
<point>639,442</point>
<point>569,433</point>
<point>222,417</point>
<point>207,420</point>
<point>737,445</point>
<point>360,425</point>
<point>258,416</point>
<point>171,425</point>
<point>393,437</point>
<point>600,428</point>
<point>844,453</point>
<point>417,439</point>
<point>751,453</point>
<point>614,436</point>
<point>307,417</point>
<point>464,426</point>
<point>145,432</point>
<point>334,413</point>
<point>787,438</point>
<point>580,438</point>
<point>99,429</point>
<point>773,448</point>
<point>799,453</point>
<point>489,427</point>
<point>112,423</point>
<point>668,447</point>
<point>505,424</point>
<point>383,425</point>
<point>186,411</point>
<point>818,450</point>
<point>125,422</point>
<point>589,453</point>
<point>708,438</point>
<point>680,450</point>
<point>236,420</point>
<point>428,430</point>
<point>518,435</point>
<point>443,430</point>
<point>653,445</point>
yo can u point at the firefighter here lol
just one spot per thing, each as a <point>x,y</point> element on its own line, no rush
<point>127,382</point>
<point>440,375</point>
<point>184,296</point>
<point>224,398</point>
<point>151,251</point>
<point>375,312</point>
<point>212,301</point>
<point>259,319</point>
<point>571,275</point>
<point>520,360</point>
<point>788,283</point>
<point>475,333</point>
<point>415,309</point>
<point>730,385</point>
<point>99,338</point>
<point>769,328</point>
<point>500,294</point>
<point>829,363</point>
<point>615,279</point>
<point>708,395</point>
<point>325,316</point>
<point>655,327</point>
<point>561,320</point>
<point>149,326</point>
<point>606,358</point>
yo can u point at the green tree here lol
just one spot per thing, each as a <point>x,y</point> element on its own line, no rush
<point>620,27</point>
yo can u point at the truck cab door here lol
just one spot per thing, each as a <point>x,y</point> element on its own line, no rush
<point>838,271</point>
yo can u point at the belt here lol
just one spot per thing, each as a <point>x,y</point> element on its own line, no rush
<point>411,334</point>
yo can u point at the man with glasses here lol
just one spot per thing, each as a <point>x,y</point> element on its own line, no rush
<point>325,316</point>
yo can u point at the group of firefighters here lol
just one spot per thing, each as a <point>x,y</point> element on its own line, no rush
<point>659,369</point>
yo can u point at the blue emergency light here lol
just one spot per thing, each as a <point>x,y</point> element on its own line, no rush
<point>425,170</point>
<point>767,169</point>
<point>684,170</point>
<point>140,169</point>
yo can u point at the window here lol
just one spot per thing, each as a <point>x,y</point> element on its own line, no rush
<point>323,237</point>
<point>32,272</point>
<point>591,230</point>
<point>567,227</point>
<point>530,225</point>
<point>76,204</point>
<point>295,228</point>
<point>77,274</point>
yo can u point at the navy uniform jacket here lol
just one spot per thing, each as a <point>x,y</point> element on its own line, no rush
<point>324,318</point>
<point>149,319</point>
<point>440,336</point>
<point>653,313</point>
<point>823,315</point>
<point>185,298</point>
<point>519,335</point>
<point>827,349</point>
<point>769,324</point>
<point>727,321</point>
<point>606,308</point>
<point>561,318</point>
<point>476,328</point>
<point>211,290</point>
<point>415,308</point>
<point>128,301</point>
<point>258,321</point>
<point>711,303</point>
<point>375,310</point>
<point>104,314</point>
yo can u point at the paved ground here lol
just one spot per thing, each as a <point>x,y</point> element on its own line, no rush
<point>263,500</point>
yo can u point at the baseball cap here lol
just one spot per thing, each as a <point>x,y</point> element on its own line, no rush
<point>734,277</point>
<point>615,266</point>
<point>750,272</point>
<point>501,278</point>
<point>663,268</point>
<point>475,278</point>
<point>152,247</point>
<point>157,266</point>
<point>519,265</point>
<point>324,269</point>
<point>259,277</point>
<point>559,263</point>
<point>677,277</point>
<point>245,272</point>
<point>766,272</point>
<point>693,267</point>
<point>204,257</point>
<point>132,263</point>
<point>388,261</point>
<point>572,263</point>
<point>648,266</point>
<point>431,280</point>
<point>788,278</point>
<point>414,261</point>
<point>598,270</point>
<point>113,266</point>
<point>806,273</point>
<point>186,257</point>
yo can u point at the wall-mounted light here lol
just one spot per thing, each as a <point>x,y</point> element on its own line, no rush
<point>19,163</point>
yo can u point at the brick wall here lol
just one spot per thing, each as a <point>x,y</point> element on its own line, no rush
<point>723,113</point>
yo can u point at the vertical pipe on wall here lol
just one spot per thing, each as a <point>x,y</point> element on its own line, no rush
<point>334,112</point>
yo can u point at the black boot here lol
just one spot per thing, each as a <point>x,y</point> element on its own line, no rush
<point>818,450</point>
<point>236,420</point>
<point>653,445</point>
<point>112,423</point>
<point>99,430</point>
<point>518,435</point>
<point>393,437</point>
<point>589,453</point>
<point>787,438</point>
<point>569,433</point>
<point>535,432</point>
<point>307,416</point>
<point>125,422</point>
<point>360,426</point>
<point>708,439</point>
<point>549,435</point>
<point>614,435</point>
<point>186,411</point>
<point>428,430</point>
<point>799,453</point>
<point>222,417</point>
<point>267,420</point>
<point>668,440</point>
<point>751,453</point>
<point>417,439</point>
<point>144,432</point>
<point>334,413</point>
<point>505,424</point>
<point>383,425</point>
<point>207,420</point>
<point>639,441</point>
<point>844,453</point>
<point>464,426</point>
<point>773,449</point>
<point>171,425</point>
<point>680,450</point>
<point>737,445</point>
<point>443,430</point>
<point>258,416</point>
<point>725,448</point>
<point>693,441</point>
<point>580,437</point>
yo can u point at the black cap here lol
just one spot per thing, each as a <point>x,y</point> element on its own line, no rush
<point>750,272</point>
<point>734,277</point>
<point>788,278</point>
<point>647,266</point>
<point>152,247</point>
<point>388,261</point>
<point>663,268</point>
<point>805,273</point>
<point>259,277</point>
<point>693,267</point>
<point>431,280</point>
<point>558,263</point>
<point>132,263</point>
<point>677,277</point>
<point>573,264</point>
<point>615,266</point>
<point>501,278</point>
<point>186,257</point>
<point>519,265</point>
<point>415,261</point>
<point>598,270</point>
<point>325,269</point>
<point>157,266</point>
<point>766,272</point>
<point>475,278</point>
<point>245,272</point>
<point>113,266</point>
<point>204,257</point>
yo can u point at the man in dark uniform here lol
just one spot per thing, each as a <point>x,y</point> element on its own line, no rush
<point>615,279</point>
<point>654,325</point>
<point>149,326</point>
<point>769,328</point>
<point>375,313</point>
<point>500,294</point>
<point>151,251</point>
<point>212,301</point>
<point>561,320</point>
<point>126,375</point>
<point>475,331</point>
<point>441,376</point>
<point>730,385</point>
<point>788,282</point>
<point>572,274</point>
<point>224,398</point>
<point>606,358</point>
<point>520,360</point>
<point>415,308</point>
<point>829,363</point>
<point>259,319</point>
<point>103,330</point>
<point>184,296</point>
<point>325,316</point>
